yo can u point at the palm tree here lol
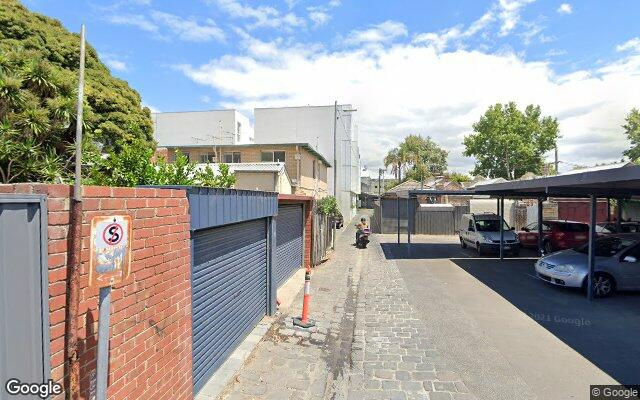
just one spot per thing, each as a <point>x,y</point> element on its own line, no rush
<point>394,158</point>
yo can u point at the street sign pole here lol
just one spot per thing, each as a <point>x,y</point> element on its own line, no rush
<point>109,264</point>
<point>102,370</point>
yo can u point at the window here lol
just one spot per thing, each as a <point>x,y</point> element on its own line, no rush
<point>232,157</point>
<point>608,246</point>
<point>272,156</point>
<point>186,154</point>
<point>490,225</point>
<point>207,158</point>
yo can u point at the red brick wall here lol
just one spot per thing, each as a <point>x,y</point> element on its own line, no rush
<point>150,347</point>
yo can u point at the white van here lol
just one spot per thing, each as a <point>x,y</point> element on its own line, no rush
<point>482,232</point>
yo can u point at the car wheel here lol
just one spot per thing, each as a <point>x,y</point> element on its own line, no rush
<point>463,243</point>
<point>603,285</point>
<point>546,245</point>
<point>479,249</point>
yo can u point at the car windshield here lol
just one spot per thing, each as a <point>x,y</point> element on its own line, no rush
<point>490,225</point>
<point>607,247</point>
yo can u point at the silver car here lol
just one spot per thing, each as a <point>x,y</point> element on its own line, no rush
<point>617,265</point>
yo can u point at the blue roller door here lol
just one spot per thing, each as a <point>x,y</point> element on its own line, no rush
<point>229,282</point>
<point>289,241</point>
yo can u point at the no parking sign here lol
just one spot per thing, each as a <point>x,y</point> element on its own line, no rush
<point>110,260</point>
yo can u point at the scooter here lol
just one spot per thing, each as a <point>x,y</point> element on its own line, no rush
<point>363,239</point>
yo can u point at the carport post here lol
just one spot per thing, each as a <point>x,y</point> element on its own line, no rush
<point>398,209</point>
<point>608,209</point>
<point>619,216</point>
<point>592,252</point>
<point>540,230</point>
<point>501,222</point>
<point>409,220</point>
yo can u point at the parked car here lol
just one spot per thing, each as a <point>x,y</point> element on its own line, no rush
<point>617,265</point>
<point>626,227</point>
<point>556,235</point>
<point>482,232</point>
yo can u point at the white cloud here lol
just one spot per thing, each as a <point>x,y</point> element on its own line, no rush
<point>383,32</point>
<point>509,14</point>
<point>630,45</point>
<point>555,53</point>
<point>188,29</point>
<point>565,8</point>
<point>138,21</point>
<point>205,99</point>
<point>318,17</point>
<point>411,88</point>
<point>116,65</point>
<point>262,16</point>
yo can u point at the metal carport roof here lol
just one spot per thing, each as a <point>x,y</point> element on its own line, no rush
<point>620,182</point>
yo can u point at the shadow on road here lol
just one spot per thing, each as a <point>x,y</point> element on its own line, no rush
<point>604,331</point>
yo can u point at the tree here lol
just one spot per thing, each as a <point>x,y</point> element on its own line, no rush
<point>423,157</point>
<point>632,131</point>
<point>509,143</point>
<point>458,177</point>
<point>133,166</point>
<point>39,60</point>
<point>394,158</point>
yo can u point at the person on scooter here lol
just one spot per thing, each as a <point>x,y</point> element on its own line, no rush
<point>362,225</point>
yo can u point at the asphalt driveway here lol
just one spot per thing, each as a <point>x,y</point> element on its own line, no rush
<point>514,336</point>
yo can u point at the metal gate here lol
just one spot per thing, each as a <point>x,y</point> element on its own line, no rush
<point>290,243</point>
<point>229,284</point>
<point>24,294</point>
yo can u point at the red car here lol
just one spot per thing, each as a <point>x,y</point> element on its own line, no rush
<point>557,235</point>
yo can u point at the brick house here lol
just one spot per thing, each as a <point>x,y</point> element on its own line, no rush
<point>305,167</point>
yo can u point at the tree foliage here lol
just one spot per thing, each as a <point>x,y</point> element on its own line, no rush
<point>134,166</point>
<point>39,60</point>
<point>458,177</point>
<point>327,206</point>
<point>420,156</point>
<point>508,143</point>
<point>632,131</point>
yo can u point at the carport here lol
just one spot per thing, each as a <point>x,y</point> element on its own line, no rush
<point>619,183</point>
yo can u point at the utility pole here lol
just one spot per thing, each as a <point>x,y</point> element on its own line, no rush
<point>335,149</point>
<point>379,181</point>
<point>75,232</point>
<point>556,160</point>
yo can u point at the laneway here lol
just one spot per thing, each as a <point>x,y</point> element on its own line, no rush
<point>369,342</point>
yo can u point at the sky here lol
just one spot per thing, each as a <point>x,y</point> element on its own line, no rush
<point>426,67</point>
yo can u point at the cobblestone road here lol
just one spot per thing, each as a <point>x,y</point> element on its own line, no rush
<point>368,342</point>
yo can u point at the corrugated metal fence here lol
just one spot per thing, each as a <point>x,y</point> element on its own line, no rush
<point>435,219</point>
<point>444,220</point>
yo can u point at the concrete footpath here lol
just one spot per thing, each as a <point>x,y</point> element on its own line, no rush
<point>368,343</point>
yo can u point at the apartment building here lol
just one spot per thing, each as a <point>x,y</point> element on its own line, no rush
<point>315,125</point>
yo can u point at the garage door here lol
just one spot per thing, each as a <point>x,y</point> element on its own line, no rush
<point>229,281</point>
<point>289,243</point>
<point>24,308</point>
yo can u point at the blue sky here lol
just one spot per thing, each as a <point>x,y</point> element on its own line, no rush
<point>428,67</point>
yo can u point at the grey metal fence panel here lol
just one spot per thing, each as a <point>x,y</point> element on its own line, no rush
<point>289,242</point>
<point>439,222</point>
<point>24,299</point>
<point>229,283</point>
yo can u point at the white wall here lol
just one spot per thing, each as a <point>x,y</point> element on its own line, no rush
<point>314,125</point>
<point>216,127</point>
